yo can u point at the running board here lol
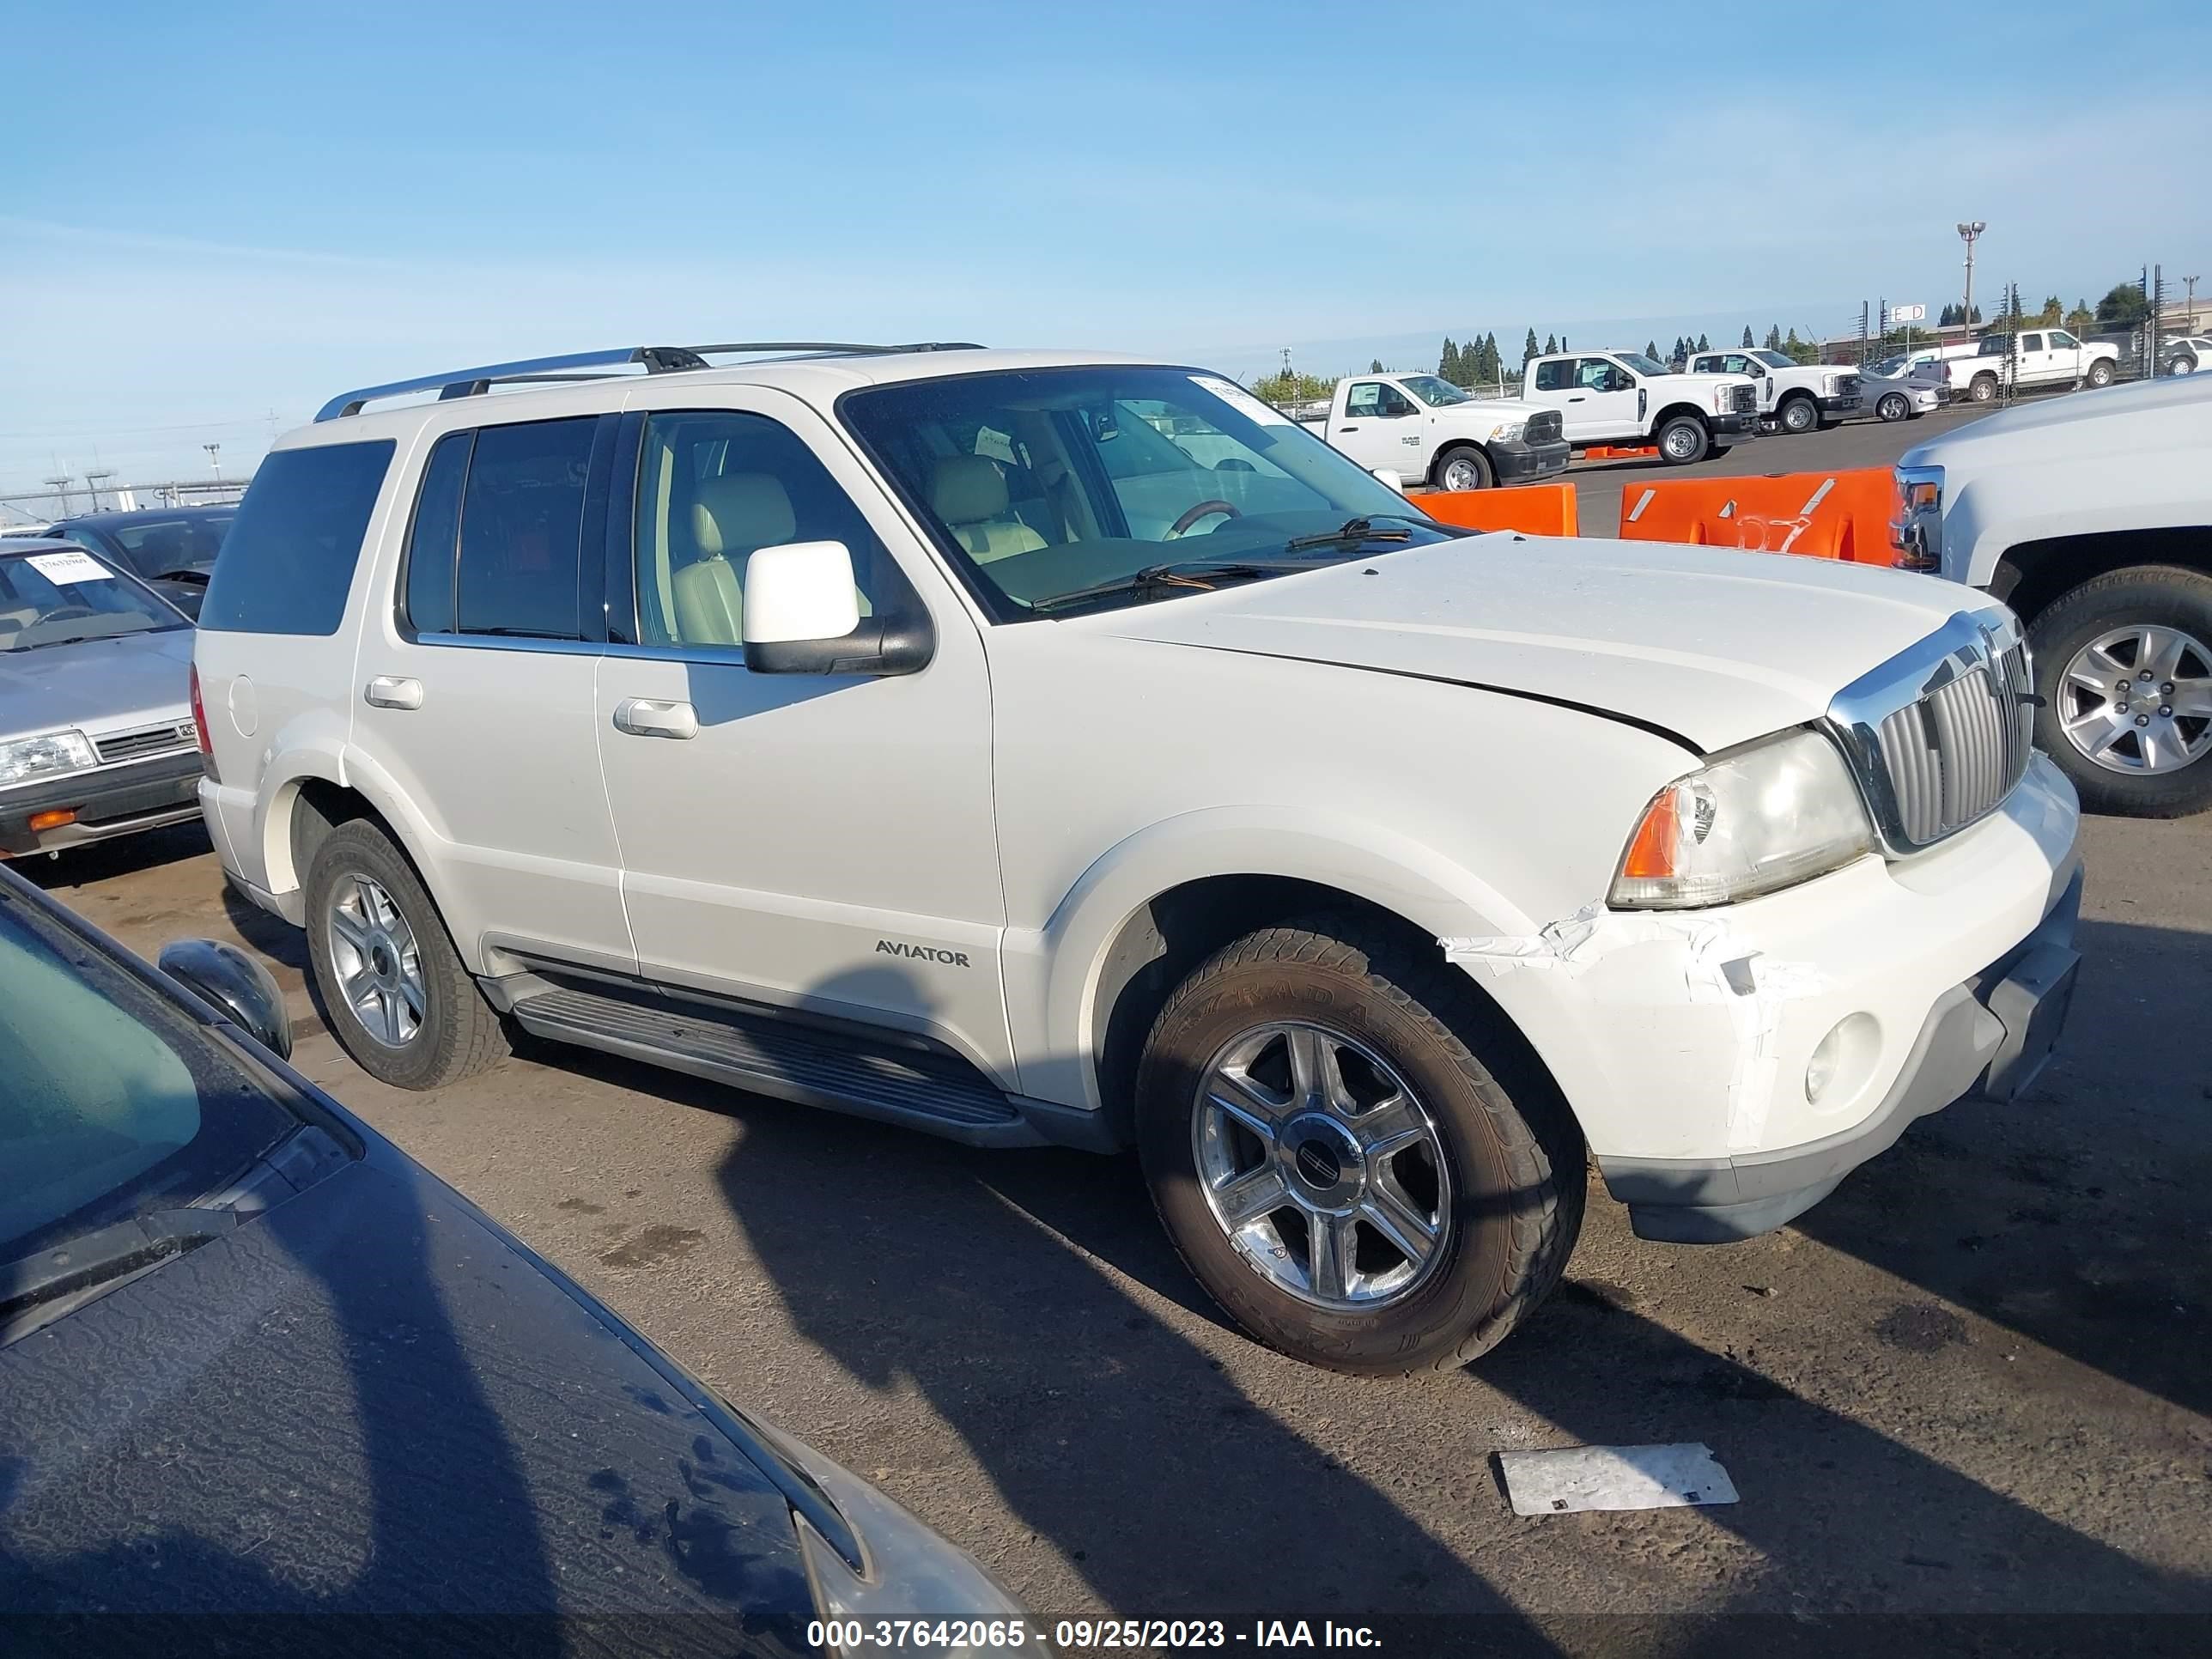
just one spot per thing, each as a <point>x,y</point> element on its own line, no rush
<point>943,1097</point>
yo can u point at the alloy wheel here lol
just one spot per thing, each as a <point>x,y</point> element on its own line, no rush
<point>1322,1166</point>
<point>378,966</point>
<point>2139,699</point>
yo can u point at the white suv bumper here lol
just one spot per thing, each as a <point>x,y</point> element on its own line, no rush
<point>1692,1039</point>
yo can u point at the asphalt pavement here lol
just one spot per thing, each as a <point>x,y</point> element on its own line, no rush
<point>1973,1383</point>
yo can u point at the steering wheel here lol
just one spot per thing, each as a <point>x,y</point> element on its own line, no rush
<point>1204,510</point>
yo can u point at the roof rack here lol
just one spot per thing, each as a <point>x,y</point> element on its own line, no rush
<point>655,360</point>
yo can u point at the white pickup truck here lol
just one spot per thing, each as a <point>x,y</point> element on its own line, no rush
<point>1425,429</point>
<point>2045,356</point>
<point>1626,398</point>
<point>1796,397</point>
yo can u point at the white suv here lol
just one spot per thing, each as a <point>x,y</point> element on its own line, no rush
<point>922,734</point>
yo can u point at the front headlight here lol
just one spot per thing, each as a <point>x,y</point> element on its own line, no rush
<point>1766,816</point>
<point>1831,385</point>
<point>37,757</point>
<point>1506,432</point>
<point>1724,398</point>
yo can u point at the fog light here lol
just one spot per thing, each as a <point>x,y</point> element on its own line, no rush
<point>42,821</point>
<point>1842,1059</point>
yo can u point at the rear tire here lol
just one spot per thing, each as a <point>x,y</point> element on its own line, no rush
<point>1983,390</point>
<point>1683,440</point>
<point>1464,467</point>
<point>377,949</point>
<point>1497,1177</point>
<point>2176,603</point>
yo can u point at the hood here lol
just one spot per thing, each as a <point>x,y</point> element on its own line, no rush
<point>1495,408</point>
<point>102,685</point>
<point>1711,646</point>
<point>367,1400</point>
<point>2145,419</point>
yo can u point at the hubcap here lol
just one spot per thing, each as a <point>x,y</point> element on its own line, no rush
<point>1321,1165</point>
<point>373,954</point>
<point>1681,440</point>
<point>2139,699</point>
<point>1796,418</point>
<point>1461,475</point>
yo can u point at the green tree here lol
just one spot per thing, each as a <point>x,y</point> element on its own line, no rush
<point>2080,320</point>
<point>1528,350</point>
<point>1747,340</point>
<point>1375,364</point>
<point>1774,338</point>
<point>1704,344</point>
<point>2123,307</point>
<point>1448,361</point>
<point>1651,350</point>
<point>1551,342</point>
<point>2052,313</point>
<point>1284,388</point>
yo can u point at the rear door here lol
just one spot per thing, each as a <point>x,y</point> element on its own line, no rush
<point>476,690</point>
<point>2035,360</point>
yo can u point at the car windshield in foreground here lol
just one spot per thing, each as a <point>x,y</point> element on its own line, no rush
<point>1640,363</point>
<point>1435,391</point>
<point>60,597</point>
<point>115,1107</point>
<point>1061,489</point>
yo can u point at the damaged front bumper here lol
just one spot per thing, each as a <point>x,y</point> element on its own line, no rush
<point>1729,1067</point>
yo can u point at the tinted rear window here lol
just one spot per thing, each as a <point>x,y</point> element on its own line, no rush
<point>289,558</point>
<point>522,523</point>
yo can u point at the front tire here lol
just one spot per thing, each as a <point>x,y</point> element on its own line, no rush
<point>1683,440</point>
<point>2136,747</point>
<point>2100,372</point>
<point>393,988</point>
<point>1893,406</point>
<point>1464,467</point>
<point>1352,1154</point>
<point>1798,415</point>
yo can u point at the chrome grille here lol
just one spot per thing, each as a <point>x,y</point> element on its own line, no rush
<point>1939,735</point>
<point>152,740</point>
<point>1545,428</point>
<point>1745,398</point>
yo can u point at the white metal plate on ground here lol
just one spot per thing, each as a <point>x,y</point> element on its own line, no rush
<point>1575,1478</point>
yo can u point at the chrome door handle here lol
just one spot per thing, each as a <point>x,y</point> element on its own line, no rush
<point>391,691</point>
<point>643,717</point>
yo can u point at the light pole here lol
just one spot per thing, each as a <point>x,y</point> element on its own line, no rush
<point>93,480</point>
<point>1968,230</point>
<point>2191,281</point>
<point>215,460</point>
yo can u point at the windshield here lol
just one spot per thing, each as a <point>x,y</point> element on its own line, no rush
<point>1044,483</point>
<point>1775,360</point>
<point>1640,363</point>
<point>1434,391</point>
<point>56,598</point>
<point>115,1103</point>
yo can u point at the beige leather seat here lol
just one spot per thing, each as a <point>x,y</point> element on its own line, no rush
<point>969,493</point>
<point>732,518</point>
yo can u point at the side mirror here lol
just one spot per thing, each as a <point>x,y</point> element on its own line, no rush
<point>1387,475</point>
<point>235,985</point>
<point>802,615</point>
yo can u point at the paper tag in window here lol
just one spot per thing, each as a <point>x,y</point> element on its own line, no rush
<point>59,568</point>
<point>1241,400</point>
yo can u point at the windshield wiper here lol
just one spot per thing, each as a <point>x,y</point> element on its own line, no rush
<point>1353,533</point>
<point>108,1253</point>
<point>1182,572</point>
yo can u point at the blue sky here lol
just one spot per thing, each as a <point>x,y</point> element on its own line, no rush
<point>239,210</point>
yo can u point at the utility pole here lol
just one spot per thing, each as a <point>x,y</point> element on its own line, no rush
<point>1969,230</point>
<point>93,480</point>
<point>215,460</point>
<point>2192,282</point>
<point>61,481</point>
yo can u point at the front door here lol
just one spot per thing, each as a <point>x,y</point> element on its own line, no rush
<point>1601,405</point>
<point>474,695</point>
<point>2067,359</point>
<point>1382,427</point>
<point>817,842</point>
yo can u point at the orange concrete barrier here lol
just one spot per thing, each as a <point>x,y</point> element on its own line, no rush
<point>1545,509</point>
<point>1618,453</point>
<point>1823,515</point>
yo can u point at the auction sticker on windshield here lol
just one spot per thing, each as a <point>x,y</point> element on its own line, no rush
<point>60,568</point>
<point>1241,400</point>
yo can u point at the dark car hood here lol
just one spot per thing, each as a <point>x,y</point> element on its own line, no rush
<point>368,1401</point>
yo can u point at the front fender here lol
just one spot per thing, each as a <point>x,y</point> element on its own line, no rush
<point>1996,512</point>
<point>1053,973</point>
